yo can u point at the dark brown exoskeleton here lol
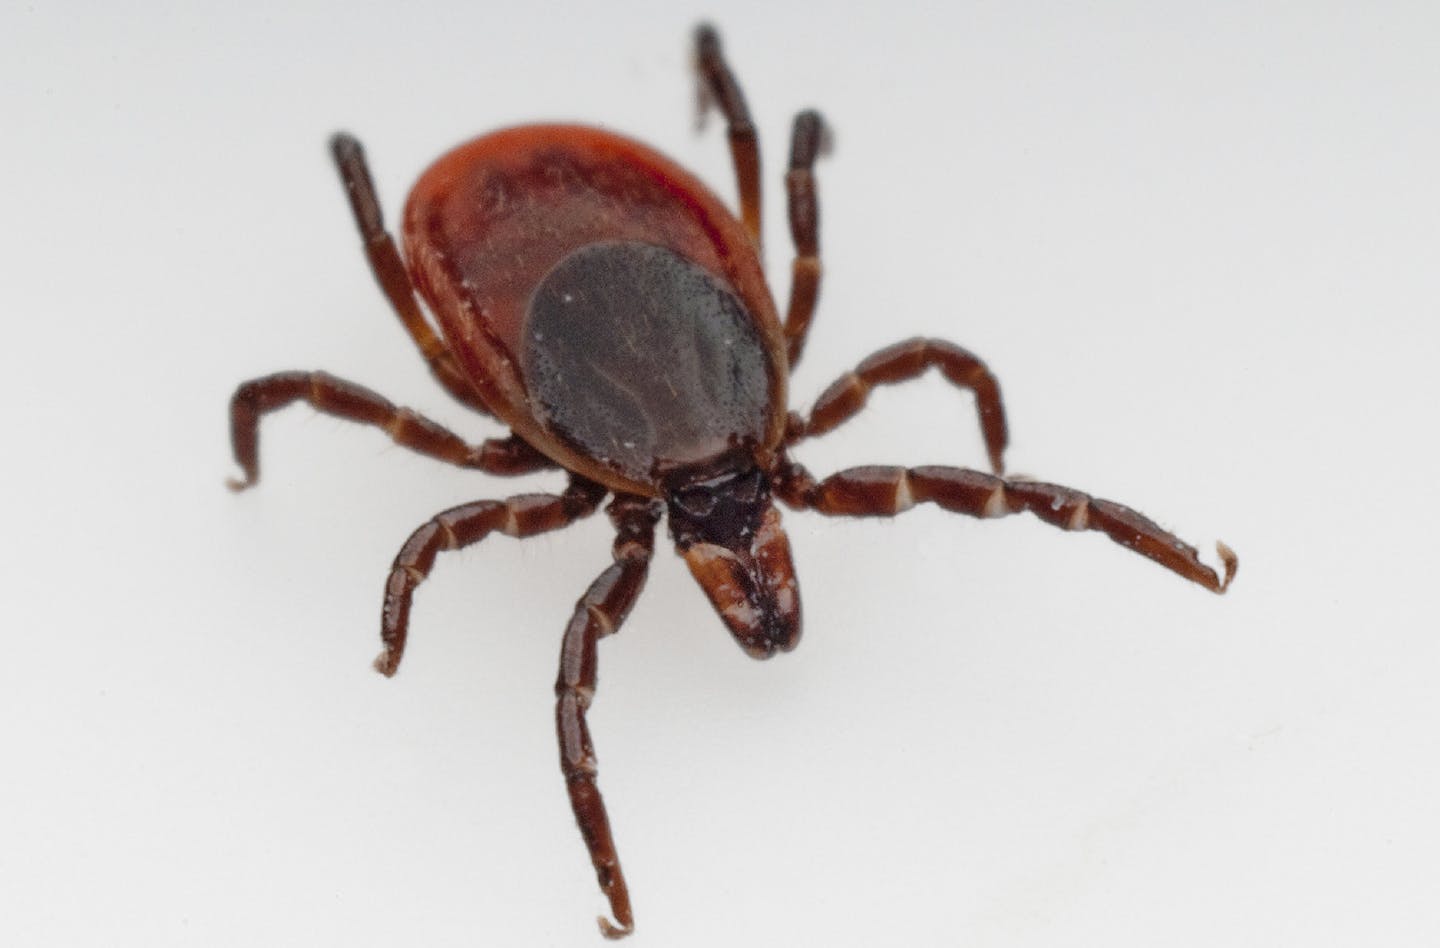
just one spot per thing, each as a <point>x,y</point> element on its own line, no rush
<point>605,306</point>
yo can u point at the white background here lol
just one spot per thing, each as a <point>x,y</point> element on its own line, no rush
<point>1198,243</point>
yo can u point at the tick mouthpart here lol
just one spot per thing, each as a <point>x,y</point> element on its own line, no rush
<point>753,591</point>
<point>755,595</point>
<point>729,533</point>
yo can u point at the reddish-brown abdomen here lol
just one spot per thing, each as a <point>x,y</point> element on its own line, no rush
<point>488,222</point>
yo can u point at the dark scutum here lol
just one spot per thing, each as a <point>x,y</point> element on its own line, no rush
<point>643,360</point>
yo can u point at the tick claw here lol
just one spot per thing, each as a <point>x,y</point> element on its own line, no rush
<point>612,931</point>
<point>237,484</point>
<point>1231,563</point>
<point>387,663</point>
<point>706,42</point>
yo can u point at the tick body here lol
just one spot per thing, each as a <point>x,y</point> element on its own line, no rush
<point>604,303</point>
<point>607,308</point>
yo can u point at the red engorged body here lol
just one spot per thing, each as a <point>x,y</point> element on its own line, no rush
<point>487,222</point>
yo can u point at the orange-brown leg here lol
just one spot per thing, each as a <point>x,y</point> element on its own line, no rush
<point>599,613</point>
<point>390,271</point>
<point>523,515</point>
<point>886,491</point>
<point>902,362</point>
<point>325,393</point>
<point>807,141</point>
<point>718,87</point>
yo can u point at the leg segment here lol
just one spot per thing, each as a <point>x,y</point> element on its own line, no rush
<point>343,399</point>
<point>718,87</point>
<point>807,141</point>
<point>886,491</point>
<point>597,614</point>
<point>902,362</point>
<point>521,516</point>
<point>390,271</point>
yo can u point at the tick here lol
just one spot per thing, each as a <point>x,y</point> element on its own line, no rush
<point>606,307</point>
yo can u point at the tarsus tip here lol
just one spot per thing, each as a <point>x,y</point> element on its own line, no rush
<point>344,146</point>
<point>612,931</point>
<point>1231,563</point>
<point>386,664</point>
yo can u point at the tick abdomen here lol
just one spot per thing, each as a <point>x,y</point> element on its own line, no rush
<point>499,216</point>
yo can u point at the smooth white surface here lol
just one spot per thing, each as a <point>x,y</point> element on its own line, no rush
<point>1197,243</point>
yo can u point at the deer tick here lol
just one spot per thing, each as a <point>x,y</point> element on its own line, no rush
<point>606,307</point>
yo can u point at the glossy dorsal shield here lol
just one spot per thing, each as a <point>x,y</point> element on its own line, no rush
<point>602,300</point>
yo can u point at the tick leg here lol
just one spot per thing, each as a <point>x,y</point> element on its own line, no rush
<point>886,491</point>
<point>718,87</point>
<point>807,141</point>
<point>390,270</point>
<point>343,399</point>
<point>523,515</point>
<point>902,362</point>
<point>597,614</point>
